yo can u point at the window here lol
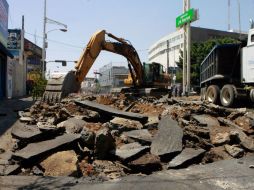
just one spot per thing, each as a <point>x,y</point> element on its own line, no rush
<point>252,38</point>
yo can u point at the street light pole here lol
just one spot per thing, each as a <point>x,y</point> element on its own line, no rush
<point>50,21</point>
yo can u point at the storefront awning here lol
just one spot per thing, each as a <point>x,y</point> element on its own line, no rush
<point>5,50</point>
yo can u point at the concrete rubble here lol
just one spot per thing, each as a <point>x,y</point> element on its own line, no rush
<point>111,136</point>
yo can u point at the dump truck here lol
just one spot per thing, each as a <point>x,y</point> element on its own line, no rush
<point>227,73</point>
<point>146,76</point>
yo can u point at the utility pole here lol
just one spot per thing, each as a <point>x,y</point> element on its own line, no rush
<point>22,56</point>
<point>189,15</point>
<point>45,44</point>
<point>167,71</point>
<point>188,40</point>
<point>186,52</point>
<point>44,40</point>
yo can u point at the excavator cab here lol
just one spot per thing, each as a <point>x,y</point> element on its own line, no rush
<point>155,75</point>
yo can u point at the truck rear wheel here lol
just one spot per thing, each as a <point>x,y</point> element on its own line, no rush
<point>227,95</point>
<point>212,94</point>
<point>252,95</point>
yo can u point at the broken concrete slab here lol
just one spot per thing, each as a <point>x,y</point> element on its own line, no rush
<point>146,164</point>
<point>228,122</point>
<point>152,122</point>
<point>111,111</point>
<point>26,119</point>
<point>206,120</point>
<point>245,123</point>
<point>168,138</point>
<point>215,154</point>
<point>24,114</point>
<point>87,138</point>
<point>220,138</point>
<point>109,169</point>
<point>45,126</point>
<point>245,141</point>
<point>25,132</point>
<point>5,157</point>
<point>122,124</point>
<point>72,125</point>
<point>40,149</point>
<point>104,143</point>
<point>142,135</point>
<point>62,163</point>
<point>31,133</point>
<point>234,150</point>
<point>187,156</point>
<point>203,132</point>
<point>129,151</point>
<point>193,140</point>
<point>92,116</point>
<point>9,169</point>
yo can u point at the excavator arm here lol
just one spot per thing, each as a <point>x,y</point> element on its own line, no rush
<point>57,89</point>
<point>98,43</point>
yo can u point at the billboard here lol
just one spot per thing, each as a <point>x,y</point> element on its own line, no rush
<point>4,22</point>
<point>14,39</point>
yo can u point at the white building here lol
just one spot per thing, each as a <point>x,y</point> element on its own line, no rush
<point>170,45</point>
<point>112,76</point>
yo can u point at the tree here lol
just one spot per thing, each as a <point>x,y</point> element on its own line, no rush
<point>199,50</point>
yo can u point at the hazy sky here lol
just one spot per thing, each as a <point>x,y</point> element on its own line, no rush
<point>142,22</point>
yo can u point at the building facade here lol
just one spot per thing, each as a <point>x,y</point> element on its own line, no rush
<point>33,55</point>
<point>25,65</point>
<point>166,50</point>
<point>112,77</point>
<point>16,66</point>
<point>90,85</point>
<point>4,52</point>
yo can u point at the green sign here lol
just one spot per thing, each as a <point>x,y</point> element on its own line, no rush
<point>186,17</point>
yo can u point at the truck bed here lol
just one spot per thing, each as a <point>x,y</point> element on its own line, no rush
<point>221,64</point>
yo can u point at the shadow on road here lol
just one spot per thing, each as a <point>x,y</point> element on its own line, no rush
<point>9,109</point>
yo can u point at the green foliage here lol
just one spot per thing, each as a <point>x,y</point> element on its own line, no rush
<point>38,86</point>
<point>199,51</point>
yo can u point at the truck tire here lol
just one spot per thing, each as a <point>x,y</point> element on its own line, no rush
<point>252,95</point>
<point>203,93</point>
<point>228,95</point>
<point>213,94</point>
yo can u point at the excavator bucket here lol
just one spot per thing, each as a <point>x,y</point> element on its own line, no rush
<point>61,87</point>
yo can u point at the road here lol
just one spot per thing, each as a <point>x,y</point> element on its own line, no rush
<point>8,116</point>
<point>227,174</point>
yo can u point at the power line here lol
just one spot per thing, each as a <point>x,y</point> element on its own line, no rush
<point>55,41</point>
<point>70,45</point>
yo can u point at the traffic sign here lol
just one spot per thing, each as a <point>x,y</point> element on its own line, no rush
<point>186,17</point>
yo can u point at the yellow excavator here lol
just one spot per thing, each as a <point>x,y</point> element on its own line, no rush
<point>146,75</point>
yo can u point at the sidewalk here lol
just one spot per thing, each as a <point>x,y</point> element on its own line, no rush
<point>8,114</point>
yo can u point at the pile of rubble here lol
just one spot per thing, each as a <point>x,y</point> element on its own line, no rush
<point>107,137</point>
